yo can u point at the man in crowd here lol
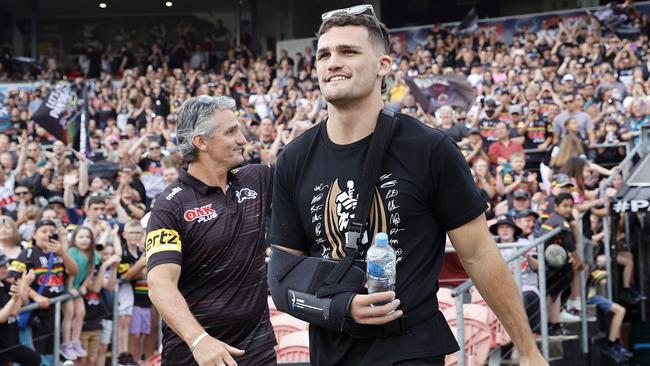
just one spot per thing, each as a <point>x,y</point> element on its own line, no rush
<point>351,63</point>
<point>205,246</point>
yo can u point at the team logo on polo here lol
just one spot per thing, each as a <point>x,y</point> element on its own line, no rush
<point>245,194</point>
<point>201,214</point>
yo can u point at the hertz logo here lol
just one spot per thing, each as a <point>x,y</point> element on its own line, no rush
<point>162,240</point>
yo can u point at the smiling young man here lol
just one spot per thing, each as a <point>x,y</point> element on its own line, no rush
<point>205,246</point>
<point>417,202</point>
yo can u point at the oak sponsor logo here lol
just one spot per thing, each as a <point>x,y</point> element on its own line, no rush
<point>162,240</point>
<point>202,214</point>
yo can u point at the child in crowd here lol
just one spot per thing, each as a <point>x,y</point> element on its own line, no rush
<point>513,176</point>
<point>82,251</point>
<point>130,270</point>
<point>51,263</point>
<point>559,278</point>
<point>12,298</point>
<point>93,336</point>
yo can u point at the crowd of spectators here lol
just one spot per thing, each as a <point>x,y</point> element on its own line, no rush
<point>549,97</point>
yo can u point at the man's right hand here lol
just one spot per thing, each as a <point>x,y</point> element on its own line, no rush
<point>362,311</point>
<point>213,352</point>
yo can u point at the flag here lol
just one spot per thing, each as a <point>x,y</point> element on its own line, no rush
<point>469,24</point>
<point>434,92</point>
<point>616,20</point>
<point>64,116</point>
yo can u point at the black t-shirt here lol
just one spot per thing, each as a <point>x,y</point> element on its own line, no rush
<point>97,307</point>
<point>456,131</point>
<point>140,288</point>
<point>488,131</point>
<point>9,329</point>
<point>565,237</point>
<point>34,258</point>
<point>536,133</point>
<point>416,201</point>
<point>218,240</point>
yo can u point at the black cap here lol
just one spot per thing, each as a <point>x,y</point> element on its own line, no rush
<point>56,200</point>
<point>521,193</point>
<point>527,212</point>
<point>504,220</point>
<point>40,223</point>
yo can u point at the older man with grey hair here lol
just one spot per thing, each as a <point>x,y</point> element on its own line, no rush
<point>205,245</point>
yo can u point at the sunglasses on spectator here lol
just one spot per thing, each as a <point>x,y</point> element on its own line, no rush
<point>355,10</point>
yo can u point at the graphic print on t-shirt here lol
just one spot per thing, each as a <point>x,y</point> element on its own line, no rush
<point>333,208</point>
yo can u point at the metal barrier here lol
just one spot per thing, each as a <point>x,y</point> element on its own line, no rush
<point>57,320</point>
<point>516,257</point>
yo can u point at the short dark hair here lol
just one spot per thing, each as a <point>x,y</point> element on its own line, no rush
<point>96,199</point>
<point>563,196</point>
<point>362,20</point>
<point>378,37</point>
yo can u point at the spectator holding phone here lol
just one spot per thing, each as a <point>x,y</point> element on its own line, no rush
<point>12,298</point>
<point>47,256</point>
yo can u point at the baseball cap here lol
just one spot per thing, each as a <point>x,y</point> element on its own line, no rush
<point>568,77</point>
<point>515,109</point>
<point>527,212</point>
<point>562,180</point>
<point>40,223</point>
<point>56,200</point>
<point>521,193</point>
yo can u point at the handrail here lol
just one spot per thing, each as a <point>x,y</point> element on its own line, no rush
<point>464,287</point>
<point>52,300</point>
<point>451,249</point>
<point>520,252</point>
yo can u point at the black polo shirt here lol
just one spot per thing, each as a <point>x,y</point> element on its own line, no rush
<point>218,240</point>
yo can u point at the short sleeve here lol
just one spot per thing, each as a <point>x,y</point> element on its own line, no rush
<point>286,229</point>
<point>456,199</point>
<point>163,242</point>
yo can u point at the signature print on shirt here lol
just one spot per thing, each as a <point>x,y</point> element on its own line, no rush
<point>332,212</point>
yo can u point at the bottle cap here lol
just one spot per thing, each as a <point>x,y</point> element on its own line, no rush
<point>381,239</point>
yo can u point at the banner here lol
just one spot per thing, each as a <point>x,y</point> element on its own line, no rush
<point>433,92</point>
<point>62,114</point>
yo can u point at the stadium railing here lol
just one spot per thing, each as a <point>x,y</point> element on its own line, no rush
<point>521,249</point>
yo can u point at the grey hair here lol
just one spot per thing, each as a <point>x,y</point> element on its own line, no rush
<point>193,119</point>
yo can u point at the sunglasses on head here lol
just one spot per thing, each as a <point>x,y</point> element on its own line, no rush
<point>355,10</point>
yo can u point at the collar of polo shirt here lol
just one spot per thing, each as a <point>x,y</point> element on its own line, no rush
<point>203,188</point>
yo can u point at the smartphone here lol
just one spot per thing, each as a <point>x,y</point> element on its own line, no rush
<point>54,236</point>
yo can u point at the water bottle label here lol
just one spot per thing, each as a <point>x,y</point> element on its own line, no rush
<point>375,269</point>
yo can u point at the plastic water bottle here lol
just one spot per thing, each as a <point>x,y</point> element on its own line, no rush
<point>381,264</point>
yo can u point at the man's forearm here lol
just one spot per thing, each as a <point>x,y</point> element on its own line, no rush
<point>494,281</point>
<point>174,309</point>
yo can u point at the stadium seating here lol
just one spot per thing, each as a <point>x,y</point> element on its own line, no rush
<point>294,347</point>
